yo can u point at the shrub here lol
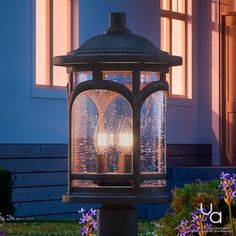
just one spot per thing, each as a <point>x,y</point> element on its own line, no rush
<point>187,199</point>
<point>6,207</point>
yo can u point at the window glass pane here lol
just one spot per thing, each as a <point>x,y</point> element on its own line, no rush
<point>53,36</point>
<point>178,48</point>
<point>153,135</point>
<point>181,6</point>
<point>165,4</point>
<point>178,6</point>
<point>147,77</point>
<point>165,34</point>
<point>81,76</point>
<point>101,136</point>
<point>61,36</point>
<point>41,43</point>
<point>165,38</point>
<point>122,77</point>
<point>174,5</point>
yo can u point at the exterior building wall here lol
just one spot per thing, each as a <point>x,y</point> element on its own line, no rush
<point>208,76</point>
<point>25,117</point>
<point>39,174</point>
<point>30,116</point>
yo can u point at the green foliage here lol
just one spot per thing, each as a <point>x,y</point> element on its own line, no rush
<point>6,207</point>
<point>146,227</point>
<point>187,199</point>
<point>42,228</point>
<point>191,195</point>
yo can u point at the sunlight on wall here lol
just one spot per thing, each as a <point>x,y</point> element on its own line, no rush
<point>215,80</point>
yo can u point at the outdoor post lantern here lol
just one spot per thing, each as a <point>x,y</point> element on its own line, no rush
<point>117,99</point>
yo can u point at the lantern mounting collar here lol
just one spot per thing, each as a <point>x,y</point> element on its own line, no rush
<point>117,45</point>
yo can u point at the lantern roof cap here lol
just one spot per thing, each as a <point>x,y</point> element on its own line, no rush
<point>117,45</point>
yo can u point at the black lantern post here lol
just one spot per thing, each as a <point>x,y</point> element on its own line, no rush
<point>117,97</point>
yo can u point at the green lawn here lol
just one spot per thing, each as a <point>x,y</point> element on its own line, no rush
<point>60,228</point>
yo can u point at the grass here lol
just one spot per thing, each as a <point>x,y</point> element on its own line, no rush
<point>42,227</point>
<point>60,228</point>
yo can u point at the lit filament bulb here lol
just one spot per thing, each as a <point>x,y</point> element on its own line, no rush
<point>125,140</point>
<point>102,139</point>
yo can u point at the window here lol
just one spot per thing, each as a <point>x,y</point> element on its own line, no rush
<point>55,22</point>
<point>176,30</point>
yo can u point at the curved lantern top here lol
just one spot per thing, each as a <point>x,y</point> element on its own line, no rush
<point>117,45</point>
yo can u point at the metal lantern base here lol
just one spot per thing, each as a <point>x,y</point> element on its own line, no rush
<point>117,220</point>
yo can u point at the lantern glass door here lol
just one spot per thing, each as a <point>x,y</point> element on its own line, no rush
<point>153,137</point>
<point>101,137</point>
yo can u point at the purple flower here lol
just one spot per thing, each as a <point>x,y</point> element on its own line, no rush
<point>200,222</point>
<point>81,210</point>
<point>2,232</point>
<point>224,175</point>
<point>183,228</point>
<point>88,221</point>
<point>92,212</point>
<point>94,225</point>
<point>184,222</point>
<point>209,225</point>
<point>228,185</point>
<point>232,193</point>
<point>85,218</point>
<point>84,230</point>
<point>194,216</point>
<point>82,221</point>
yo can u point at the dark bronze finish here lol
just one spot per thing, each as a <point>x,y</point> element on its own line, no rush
<point>117,45</point>
<point>117,50</point>
<point>117,220</point>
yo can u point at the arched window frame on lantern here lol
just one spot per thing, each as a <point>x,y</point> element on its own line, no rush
<point>136,97</point>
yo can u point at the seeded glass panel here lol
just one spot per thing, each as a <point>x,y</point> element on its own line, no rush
<point>147,77</point>
<point>101,135</point>
<point>81,76</point>
<point>122,77</point>
<point>153,137</point>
